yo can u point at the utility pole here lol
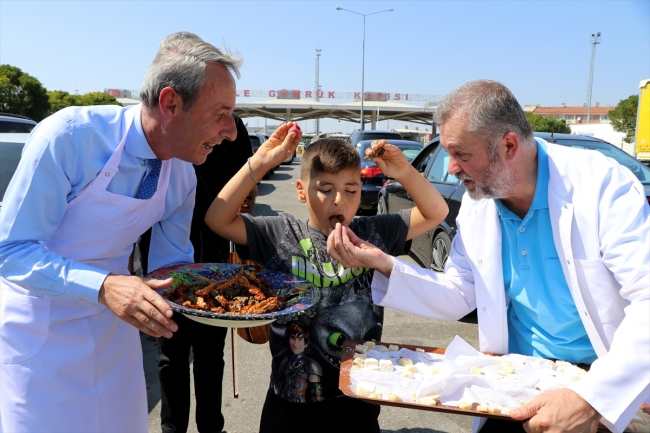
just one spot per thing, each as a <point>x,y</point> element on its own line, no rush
<point>316,89</point>
<point>595,40</point>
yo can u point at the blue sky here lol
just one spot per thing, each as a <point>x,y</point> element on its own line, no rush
<point>539,49</point>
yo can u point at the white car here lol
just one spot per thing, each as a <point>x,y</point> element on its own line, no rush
<point>11,147</point>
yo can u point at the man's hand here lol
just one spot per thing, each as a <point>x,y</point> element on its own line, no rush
<point>561,410</point>
<point>133,300</point>
<point>389,158</point>
<point>346,248</point>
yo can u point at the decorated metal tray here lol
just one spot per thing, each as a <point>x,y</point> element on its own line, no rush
<point>296,294</point>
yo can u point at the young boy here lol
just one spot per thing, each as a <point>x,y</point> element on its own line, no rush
<point>330,185</point>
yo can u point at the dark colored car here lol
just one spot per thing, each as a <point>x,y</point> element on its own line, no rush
<point>372,178</point>
<point>358,135</point>
<point>432,248</point>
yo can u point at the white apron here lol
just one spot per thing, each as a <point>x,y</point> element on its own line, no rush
<point>70,365</point>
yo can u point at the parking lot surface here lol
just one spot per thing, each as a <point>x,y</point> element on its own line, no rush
<point>253,361</point>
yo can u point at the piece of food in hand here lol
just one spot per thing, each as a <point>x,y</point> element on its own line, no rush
<point>294,128</point>
<point>375,153</point>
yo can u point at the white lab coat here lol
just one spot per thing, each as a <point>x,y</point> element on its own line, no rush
<point>601,230</point>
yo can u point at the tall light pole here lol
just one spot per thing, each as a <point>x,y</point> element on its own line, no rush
<point>595,40</point>
<point>363,54</point>
<point>317,88</point>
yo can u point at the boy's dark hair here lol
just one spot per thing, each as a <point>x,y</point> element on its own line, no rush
<point>328,155</point>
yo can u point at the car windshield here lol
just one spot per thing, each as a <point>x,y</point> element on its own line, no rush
<point>410,150</point>
<point>638,169</point>
<point>8,163</point>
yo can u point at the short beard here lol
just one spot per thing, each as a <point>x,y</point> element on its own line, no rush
<point>496,180</point>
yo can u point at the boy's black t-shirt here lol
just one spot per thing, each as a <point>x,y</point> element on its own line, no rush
<point>305,367</point>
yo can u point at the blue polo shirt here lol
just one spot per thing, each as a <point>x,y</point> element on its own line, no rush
<point>542,317</point>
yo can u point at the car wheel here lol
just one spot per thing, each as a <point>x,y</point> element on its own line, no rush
<point>381,206</point>
<point>440,251</point>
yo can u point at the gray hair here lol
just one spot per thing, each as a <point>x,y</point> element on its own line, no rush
<point>492,111</point>
<point>181,64</point>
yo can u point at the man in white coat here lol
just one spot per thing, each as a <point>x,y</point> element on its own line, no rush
<point>90,181</point>
<point>552,250</point>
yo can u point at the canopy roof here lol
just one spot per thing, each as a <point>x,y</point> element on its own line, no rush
<point>300,109</point>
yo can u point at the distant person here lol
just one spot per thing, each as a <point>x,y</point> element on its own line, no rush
<point>330,185</point>
<point>90,181</point>
<point>552,251</point>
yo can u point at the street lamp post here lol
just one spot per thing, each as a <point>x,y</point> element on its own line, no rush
<point>595,40</point>
<point>363,54</point>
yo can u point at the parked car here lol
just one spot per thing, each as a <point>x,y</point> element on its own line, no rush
<point>11,147</point>
<point>14,123</point>
<point>432,248</point>
<point>372,178</point>
<point>358,135</point>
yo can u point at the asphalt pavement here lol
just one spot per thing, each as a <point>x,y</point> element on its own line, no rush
<point>242,414</point>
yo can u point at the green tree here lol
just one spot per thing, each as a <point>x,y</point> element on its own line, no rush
<point>98,98</point>
<point>20,93</point>
<point>623,117</point>
<point>60,99</point>
<point>547,124</point>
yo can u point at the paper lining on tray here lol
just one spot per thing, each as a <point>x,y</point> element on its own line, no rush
<point>460,377</point>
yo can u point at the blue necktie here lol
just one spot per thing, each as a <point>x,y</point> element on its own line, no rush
<point>150,182</point>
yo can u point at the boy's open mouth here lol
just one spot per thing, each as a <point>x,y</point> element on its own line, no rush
<point>338,218</point>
